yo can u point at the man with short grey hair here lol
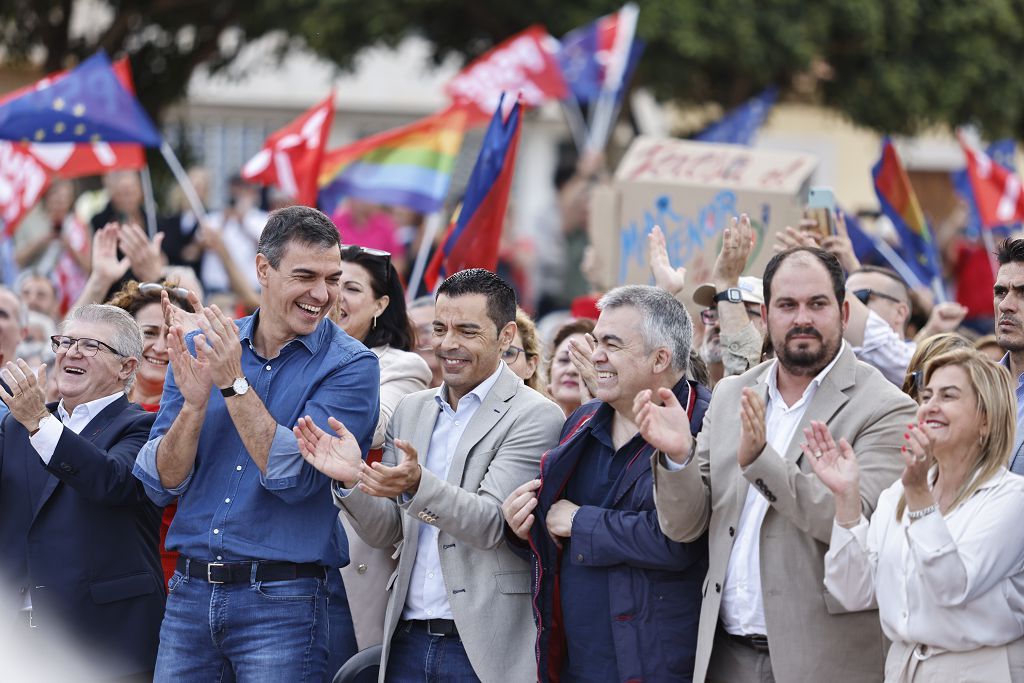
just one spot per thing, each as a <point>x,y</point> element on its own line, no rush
<point>590,518</point>
<point>78,535</point>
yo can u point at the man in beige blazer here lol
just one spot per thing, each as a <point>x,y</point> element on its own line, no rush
<point>459,603</point>
<point>766,615</point>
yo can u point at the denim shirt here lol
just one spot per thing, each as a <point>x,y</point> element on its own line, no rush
<point>227,509</point>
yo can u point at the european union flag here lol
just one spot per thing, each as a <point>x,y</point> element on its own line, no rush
<point>86,105</point>
<point>583,58</point>
<point>740,125</point>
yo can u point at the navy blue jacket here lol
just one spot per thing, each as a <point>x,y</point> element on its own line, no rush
<point>83,535</point>
<point>654,584</point>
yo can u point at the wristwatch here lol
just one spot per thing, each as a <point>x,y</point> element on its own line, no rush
<point>733,295</point>
<point>236,388</point>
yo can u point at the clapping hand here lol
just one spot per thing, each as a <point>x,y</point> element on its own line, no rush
<point>836,467</point>
<point>666,427</point>
<point>339,457</point>
<point>752,427</point>
<point>917,458</point>
<point>191,373</point>
<point>518,508</point>
<point>27,397</point>
<point>105,264</point>
<point>222,346</point>
<point>142,253</point>
<point>175,316</point>
<point>386,481</point>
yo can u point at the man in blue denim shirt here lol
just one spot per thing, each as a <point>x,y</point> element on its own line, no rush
<point>256,526</point>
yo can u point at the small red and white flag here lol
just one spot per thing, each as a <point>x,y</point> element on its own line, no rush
<point>997,191</point>
<point>23,180</point>
<point>290,158</point>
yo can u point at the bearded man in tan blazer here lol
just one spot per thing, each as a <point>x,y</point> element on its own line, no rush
<point>766,615</point>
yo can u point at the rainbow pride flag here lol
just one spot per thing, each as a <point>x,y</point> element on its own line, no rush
<point>900,205</point>
<point>409,166</point>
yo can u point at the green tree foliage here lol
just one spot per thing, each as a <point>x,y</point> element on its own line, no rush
<point>893,65</point>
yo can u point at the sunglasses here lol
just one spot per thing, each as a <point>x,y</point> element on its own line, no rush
<point>86,346</point>
<point>156,288</point>
<point>864,295</point>
<point>353,250</point>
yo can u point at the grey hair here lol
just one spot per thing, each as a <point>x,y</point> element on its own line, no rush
<point>22,308</point>
<point>127,338</point>
<point>664,322</point>
<point>302,224</point>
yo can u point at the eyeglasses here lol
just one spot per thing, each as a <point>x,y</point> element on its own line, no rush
<point>709,316</point>
<point>352,250</point>
<point>86,347</point>
<point>864,295</point>
<point>423,333</point>
<point>156,288</point>
<point>510,354</point>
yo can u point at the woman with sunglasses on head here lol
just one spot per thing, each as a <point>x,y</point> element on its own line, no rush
<point>143,302</point>
<point>371,308</point>
<point>939,557</point>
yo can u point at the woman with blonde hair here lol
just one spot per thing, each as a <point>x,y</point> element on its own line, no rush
<point>937,556</point>
<point>523,355</point>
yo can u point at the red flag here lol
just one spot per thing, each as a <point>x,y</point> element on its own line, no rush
<point>996,190</point>
<point>290,158</point>
<point>526,64</point>
<point>22,182</point>
<point>473,237</point>
<point>70,160</point>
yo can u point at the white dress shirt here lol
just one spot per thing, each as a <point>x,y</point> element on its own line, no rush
<point>45,440</point>
<point>742,610</point>
<point>883,348</point>
<point>954,583</point>
<point>427,597</point>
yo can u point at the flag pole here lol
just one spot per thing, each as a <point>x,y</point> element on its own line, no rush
<point>186,185</point>
<point>990,246</point>
<point>148,201</point>
<point>577,124</point>
<point>430,230</point>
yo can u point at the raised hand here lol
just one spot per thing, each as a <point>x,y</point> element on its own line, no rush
<point>390,482</point>
<point>144,255</point>
<point>339,457</point>
<point>223,347</point>
<point>752,427</point>
<point>917,460</point>
<point>792,237</point>
<point>840,246</point>
<point>175,316</point>
<point>580,358</point>
<point>105,264</point>
<point>836,467</point>
<point>191,373</point>
<point>672,280</point>
<point>518,508</point>
<point>737,242</point>
<point>27,397</point>
<point>945,317</point>
<point>666,427</point>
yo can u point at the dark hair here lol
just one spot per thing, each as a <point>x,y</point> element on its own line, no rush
<point>131,299</point>
<point>577,326</point>
<point>392,327</point>
<point>1010,251</point>
<point>301,224</point>
<point>831,263</point>
<point>501,298</point>
<point>891,274</point>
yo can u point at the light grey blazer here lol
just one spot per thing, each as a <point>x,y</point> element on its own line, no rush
<point>810,636</point>
<point>488,586</point>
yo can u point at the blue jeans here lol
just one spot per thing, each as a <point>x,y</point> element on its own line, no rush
<point>416,656</point>
<point>257,631</point>
<point>341,643</point>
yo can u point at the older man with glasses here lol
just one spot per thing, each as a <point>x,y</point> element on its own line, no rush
<point>78,535</point>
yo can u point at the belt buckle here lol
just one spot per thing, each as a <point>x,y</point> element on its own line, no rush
<point>430,630</point>
<point>209,576</point>
<point>31,619</point>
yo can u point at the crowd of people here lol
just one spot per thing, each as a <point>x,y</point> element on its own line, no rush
<point>237,450</point>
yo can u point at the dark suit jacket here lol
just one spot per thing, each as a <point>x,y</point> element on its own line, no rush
<point>83,536</point>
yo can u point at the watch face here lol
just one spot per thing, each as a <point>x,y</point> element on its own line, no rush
<point>735,296</point>
<point>240,385</point>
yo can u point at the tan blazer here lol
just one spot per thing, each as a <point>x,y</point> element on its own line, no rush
<point>489,586</point>
<point>366,576</point>
<point>810,636</point>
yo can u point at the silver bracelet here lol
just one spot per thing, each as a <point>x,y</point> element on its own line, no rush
<point>572,516</point>
<point>914,515</point>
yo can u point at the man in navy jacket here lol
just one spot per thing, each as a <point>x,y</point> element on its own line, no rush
<point>615,599</point>
<point>78,535</point>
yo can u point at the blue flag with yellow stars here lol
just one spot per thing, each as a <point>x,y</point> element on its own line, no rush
<point>88,104</point>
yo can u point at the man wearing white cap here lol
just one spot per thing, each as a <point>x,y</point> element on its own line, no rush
<point>734,328</point>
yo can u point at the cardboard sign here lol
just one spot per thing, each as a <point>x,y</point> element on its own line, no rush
<point>692,190</point>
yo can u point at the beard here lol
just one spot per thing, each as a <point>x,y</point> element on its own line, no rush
<point>711,351</point>
<point>806,361</point>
